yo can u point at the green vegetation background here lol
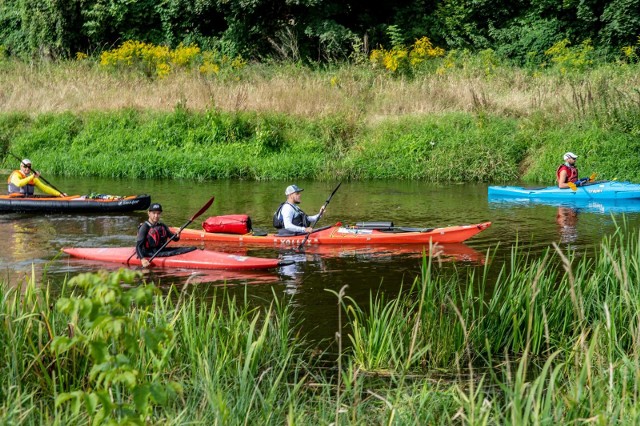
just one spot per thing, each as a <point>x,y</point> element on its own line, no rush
<point>480,39</point>
<point>454,147</point>
<point>315,30</point>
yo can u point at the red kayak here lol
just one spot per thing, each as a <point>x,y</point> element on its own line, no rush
<point>339,234</point>
<point>197,259</point>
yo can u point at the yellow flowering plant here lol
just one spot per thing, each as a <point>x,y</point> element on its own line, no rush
<point>568,59</point>
<point>401,59</point>
<point>631,52</point>
<point>159,61</point>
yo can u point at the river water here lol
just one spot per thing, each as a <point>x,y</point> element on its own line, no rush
<point>33,242</point>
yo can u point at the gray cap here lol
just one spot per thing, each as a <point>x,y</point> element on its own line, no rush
<point>155,207</point>
<point>569,155</point>
<point>292,189</point>
<point>26,161</point>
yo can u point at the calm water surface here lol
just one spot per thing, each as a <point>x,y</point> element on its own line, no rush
<point>33,242</point>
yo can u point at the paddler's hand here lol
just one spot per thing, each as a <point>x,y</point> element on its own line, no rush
<point>145,263</point>
<point>308,229</point>
<point>322,209</point>
<point>63,194</point>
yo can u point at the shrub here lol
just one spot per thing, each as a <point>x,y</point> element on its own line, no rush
<point>567,59</point>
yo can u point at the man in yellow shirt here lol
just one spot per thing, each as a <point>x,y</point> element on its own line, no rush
<point>25,180</point>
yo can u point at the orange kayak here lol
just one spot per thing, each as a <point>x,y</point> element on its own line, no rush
<point>197,259</point>
<point>342,235</point>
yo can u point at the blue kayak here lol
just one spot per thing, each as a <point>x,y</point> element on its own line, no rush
<point>577,204</point>
<point>599,191</point>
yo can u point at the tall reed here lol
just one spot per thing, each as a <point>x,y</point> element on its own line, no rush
<point>554,339</point>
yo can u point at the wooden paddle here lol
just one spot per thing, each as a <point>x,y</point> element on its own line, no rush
<point>194,217</point>
<point>35,171</point>
<point>324,206</point>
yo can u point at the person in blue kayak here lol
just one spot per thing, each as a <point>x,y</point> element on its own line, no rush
<point>289,219</point>
<point>568,172</point>
<point>24,182</point>
<point>153,234</point>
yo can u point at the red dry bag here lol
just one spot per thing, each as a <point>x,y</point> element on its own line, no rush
<point>229,224</point>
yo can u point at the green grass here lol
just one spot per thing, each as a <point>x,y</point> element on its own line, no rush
<point>453,147</point>
<point>554,339</point>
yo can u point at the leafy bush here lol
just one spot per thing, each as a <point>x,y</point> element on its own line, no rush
<point>524,41</point>
<point>128,350</point>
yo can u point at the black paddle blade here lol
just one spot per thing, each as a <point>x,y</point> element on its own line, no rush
<point>194,217</point>
<point>203,209</point>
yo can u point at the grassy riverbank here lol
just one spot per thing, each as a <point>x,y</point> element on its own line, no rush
<point>553,340</point>
<point>451,147</point>
<point>477,121</point>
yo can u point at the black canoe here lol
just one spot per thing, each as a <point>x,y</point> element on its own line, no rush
<point>73,204</point>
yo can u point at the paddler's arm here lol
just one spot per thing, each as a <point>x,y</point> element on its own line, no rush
<point>172,236</point>
<point>140,239</point>
<point>562,180</point>
<point>313,219</point>
<point>47,189</point>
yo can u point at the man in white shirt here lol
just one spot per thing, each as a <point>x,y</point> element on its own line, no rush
<point>289,218</point>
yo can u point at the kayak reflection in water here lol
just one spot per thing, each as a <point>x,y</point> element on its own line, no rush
<point>567,219</point>
<point>153,234</point>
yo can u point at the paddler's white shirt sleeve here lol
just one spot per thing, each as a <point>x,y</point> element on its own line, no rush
<point>288,212</point>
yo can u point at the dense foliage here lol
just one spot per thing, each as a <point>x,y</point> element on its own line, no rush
<point>315,30</point>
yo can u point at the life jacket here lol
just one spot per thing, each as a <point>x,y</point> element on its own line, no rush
<point>299,218</point>
<point>27,190</point>
<point>156,236</point>
<point>572,173</point>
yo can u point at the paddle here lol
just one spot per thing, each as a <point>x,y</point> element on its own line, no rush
<point>324,206</point>
<point>194,217</point>
<point>35,171</point>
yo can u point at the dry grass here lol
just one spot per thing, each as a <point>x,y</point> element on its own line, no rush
<point>352,91</point>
